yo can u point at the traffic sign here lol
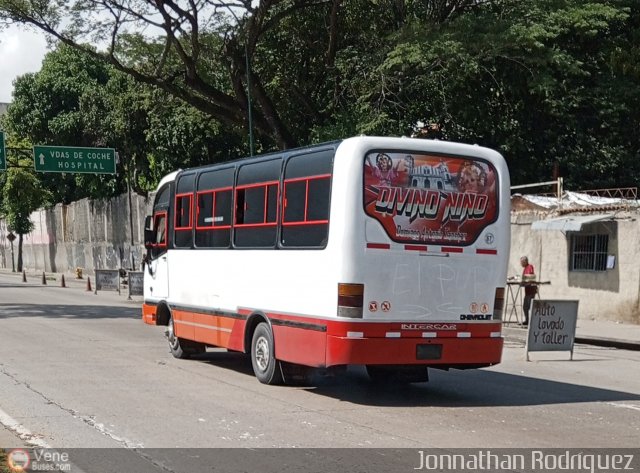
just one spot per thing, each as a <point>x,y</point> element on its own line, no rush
<point>3,153</point>
<point>74,160</point>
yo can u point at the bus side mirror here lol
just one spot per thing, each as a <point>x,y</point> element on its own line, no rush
<point>149,235</point>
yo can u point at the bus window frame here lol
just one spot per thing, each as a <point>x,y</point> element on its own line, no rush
<point>265,223</point>
<point>200,174</point>
<point>213,225</point>
<point>162,208</point>
<point>307,179</point>
<point>175,216</point>
<point>157,249</point>
<point>281,225</point>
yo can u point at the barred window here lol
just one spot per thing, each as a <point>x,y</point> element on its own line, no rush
<point>589,252</point>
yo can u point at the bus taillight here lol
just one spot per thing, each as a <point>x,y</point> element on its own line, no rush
<point>498,304</point>
<point>350,300</point>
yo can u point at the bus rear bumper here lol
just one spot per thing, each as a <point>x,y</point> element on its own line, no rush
<point>437,352</point>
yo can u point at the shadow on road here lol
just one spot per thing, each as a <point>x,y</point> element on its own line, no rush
<point>474,388</point>
<point>229,360</point>
<point>69,311</point>
<point>455,388</point>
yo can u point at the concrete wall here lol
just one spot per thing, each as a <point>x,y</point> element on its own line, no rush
<point>86,234</point>
<point>612,294</point>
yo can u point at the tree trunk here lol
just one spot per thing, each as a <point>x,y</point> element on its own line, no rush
<point>19,252</point>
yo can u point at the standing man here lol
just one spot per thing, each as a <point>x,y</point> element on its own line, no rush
<point>528,274</point>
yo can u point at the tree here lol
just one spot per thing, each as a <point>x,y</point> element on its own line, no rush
<point>206,52</point>
<point>548,82</point>
<point>76,100</point>
<point>541,80</point>
<point>47,109</point>
<point>22,194</point>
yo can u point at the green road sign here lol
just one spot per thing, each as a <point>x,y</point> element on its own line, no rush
<point>74,160</point>
<point>3,153</point>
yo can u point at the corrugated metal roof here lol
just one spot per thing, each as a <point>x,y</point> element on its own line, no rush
<point>570,223</point>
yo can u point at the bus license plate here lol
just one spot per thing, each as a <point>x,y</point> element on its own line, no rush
<point>428,352</point>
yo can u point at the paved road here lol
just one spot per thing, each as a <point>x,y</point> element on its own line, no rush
<point>82,370</point>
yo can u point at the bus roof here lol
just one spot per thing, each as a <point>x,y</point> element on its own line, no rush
<point>266,156</point>
<point>440,146</point>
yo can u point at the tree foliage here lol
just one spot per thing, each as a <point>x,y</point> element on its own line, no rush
<point>76,100</point>
<point>550,83</point>
<point>22,194</point>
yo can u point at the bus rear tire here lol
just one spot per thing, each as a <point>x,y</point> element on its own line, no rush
<point>263,360</point>
<point>181,348</point>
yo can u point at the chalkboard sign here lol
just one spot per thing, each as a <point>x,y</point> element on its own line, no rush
<point>552,326</point>
<point>136,283</point>
<point>107,280</point>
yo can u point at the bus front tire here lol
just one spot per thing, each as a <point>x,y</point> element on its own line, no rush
<point>181,348</point>
<point>263,360</point>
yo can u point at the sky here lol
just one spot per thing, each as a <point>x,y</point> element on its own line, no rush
<point>21,51</point>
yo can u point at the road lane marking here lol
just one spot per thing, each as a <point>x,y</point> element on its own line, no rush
<point>627,406</point>
<point>21,431</point>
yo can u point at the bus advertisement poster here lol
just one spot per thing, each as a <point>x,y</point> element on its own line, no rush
<point>433,199</point>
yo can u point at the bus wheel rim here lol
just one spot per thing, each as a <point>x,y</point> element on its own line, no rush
<point>262,353</point>
<point>170,332</point>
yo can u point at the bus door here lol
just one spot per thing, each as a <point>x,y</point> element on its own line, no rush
<point>157,277</point>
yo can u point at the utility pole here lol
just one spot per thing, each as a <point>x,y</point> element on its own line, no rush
<point>131,240</point>
<point>246,57</point>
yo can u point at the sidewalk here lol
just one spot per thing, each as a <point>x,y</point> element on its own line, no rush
<point>603,333</point>
<point>53,279</point>
<point>34,278</point>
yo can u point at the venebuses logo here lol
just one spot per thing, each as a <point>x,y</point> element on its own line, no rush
<point>18,460</point>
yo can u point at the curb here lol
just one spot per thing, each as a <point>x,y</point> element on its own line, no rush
<point>609,343</point>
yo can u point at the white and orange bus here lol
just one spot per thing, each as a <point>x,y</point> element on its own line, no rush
<point>385,252</point>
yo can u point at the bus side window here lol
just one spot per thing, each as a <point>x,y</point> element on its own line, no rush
<point>306,199</point>
<point>161,230</point>
<point>256,209</point>
<point>214,203</point>
<point>159,245</point>
<point>183,211</point>
<point>159,241</point>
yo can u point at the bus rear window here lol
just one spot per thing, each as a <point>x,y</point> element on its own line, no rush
<point>428,198</point>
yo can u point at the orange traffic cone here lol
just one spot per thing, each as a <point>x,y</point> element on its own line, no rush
<point>62,283</point>
<point>44,279</point>
<point>24,276</point>
<point>89,285</point>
